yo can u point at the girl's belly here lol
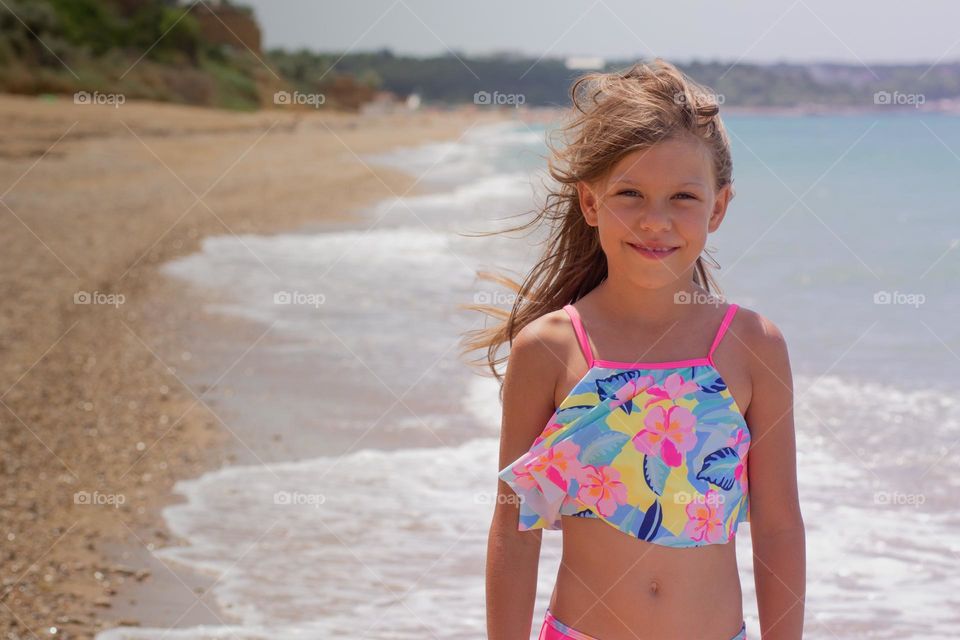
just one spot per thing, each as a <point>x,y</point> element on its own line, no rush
<point>615,587</point>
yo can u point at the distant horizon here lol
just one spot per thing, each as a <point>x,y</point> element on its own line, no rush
<point>760,32</point>
<point>673,59</point>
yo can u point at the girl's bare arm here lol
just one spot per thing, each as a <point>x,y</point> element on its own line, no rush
<point>776,524</point>
<point>513,556</point>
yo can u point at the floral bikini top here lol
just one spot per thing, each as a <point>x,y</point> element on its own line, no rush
<point>657,450</point>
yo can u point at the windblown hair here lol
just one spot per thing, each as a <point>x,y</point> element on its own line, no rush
<point>613,114</point>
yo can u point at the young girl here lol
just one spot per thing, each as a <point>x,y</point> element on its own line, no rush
<point>633,394</point>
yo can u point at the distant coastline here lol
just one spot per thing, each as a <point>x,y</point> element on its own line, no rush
<point>213,56</point>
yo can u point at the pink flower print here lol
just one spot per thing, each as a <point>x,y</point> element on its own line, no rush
<point>601,487</point>
<point>704,518</point>
<point>674,387</point>
<point>523,478</point>
<point>558,463</point>
<point>667,433</point>
<point>631,389</point>
<point>553,426</point>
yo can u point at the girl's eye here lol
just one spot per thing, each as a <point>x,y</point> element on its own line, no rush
<point>631,192</point>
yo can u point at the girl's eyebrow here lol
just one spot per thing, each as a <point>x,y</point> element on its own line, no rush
<point>626,180</point>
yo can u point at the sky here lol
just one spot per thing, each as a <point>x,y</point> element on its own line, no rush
<point>679,30</point>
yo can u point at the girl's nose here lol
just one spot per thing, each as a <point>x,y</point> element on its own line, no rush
<point>654,220</point>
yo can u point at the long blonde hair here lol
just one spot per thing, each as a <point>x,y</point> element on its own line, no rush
<point>613,114</point>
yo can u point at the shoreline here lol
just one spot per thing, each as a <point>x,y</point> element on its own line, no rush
<point>99,421</point>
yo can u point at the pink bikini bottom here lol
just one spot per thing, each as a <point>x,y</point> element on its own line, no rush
<point>553,629</point>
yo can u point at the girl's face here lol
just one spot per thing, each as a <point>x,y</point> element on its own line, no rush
<point>654,211</point>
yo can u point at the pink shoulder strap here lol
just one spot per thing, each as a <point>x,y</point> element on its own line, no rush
<point>581,333</point>
<point>727,319</point>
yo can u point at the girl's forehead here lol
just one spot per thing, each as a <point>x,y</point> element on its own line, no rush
<point>684,160</point>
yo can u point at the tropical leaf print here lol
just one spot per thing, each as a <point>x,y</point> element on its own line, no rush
<point>716,385</point>
<point>714,409</point>
<point>608,388</point>
<point>651,522</point>
<point>655,472</point>
<point>720,467</point>
<point>567,415</point>
<point>604,448</point>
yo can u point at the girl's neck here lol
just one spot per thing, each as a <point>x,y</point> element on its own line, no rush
<point>626,304</point>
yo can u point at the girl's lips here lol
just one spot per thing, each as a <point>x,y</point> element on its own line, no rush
<point>653,255</point>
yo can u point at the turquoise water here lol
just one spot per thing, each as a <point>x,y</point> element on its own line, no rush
<point>878,213</point>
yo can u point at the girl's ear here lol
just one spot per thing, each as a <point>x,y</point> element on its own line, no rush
<point>589,203</point>
<point>723,198</point>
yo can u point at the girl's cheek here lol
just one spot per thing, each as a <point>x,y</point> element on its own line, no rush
<point>620,217</point>
<point>620,221</point>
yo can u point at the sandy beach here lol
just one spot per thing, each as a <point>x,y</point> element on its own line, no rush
<point>97,421</point>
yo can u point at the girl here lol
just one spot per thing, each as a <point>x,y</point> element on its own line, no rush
<point>633,394</point>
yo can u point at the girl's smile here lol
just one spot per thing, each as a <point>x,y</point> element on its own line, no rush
<point>653,251</point>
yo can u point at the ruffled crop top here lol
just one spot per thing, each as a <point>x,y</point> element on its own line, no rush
<point>657,450</point>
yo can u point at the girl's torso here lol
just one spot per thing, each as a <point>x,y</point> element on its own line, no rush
<point>614,586</point>
<point>617,588</point>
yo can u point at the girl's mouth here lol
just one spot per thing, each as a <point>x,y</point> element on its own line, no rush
<point>657,253</point>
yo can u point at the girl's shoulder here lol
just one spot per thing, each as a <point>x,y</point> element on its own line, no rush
<point>548,334</point>
<point>761,340</point>
<point>754,328</point>
<point>551,330</point>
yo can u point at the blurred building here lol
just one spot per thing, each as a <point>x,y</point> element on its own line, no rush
<point>585,62</point>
